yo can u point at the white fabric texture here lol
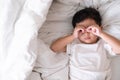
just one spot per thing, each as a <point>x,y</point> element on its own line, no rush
<point>20,21</point>
<point>89,61</point>
<point>51,65</point>
<point>59,18</point>
<point>34,76</point>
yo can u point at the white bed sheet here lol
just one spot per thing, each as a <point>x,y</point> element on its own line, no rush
<point>58,24</point>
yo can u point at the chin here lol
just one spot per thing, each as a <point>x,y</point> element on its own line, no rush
<point>89,42</point>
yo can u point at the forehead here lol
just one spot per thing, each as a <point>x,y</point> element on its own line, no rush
<point>87,22</point>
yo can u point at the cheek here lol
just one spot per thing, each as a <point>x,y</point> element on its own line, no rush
<point>81,36</point>
<point>94,37</point>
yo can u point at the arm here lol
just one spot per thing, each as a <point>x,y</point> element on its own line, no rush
<point>60,44</point>
<point>112,41</point>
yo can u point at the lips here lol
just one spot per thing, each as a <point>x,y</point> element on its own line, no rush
<point>87,38</point>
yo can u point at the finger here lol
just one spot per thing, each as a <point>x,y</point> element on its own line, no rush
<point>94,30</point>
<point>89,29</point>
<point>81,30</point>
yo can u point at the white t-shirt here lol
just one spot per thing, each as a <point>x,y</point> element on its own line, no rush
<point>89,61</point>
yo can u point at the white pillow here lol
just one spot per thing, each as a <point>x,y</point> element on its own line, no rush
<point>63,10</point>
<point>85,3</point>
<point>111,18</point>
<point>60,11</point>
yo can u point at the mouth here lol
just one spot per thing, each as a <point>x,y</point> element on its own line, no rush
<point>87,38</point>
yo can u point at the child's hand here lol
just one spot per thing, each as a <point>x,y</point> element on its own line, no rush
<point>78,29</point>
<point>95,29</point>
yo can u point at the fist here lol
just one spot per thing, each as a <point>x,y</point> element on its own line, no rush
<point>77,30</point>
<point>96,30</point>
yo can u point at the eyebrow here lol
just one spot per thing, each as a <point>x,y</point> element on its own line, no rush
<point>82,25</point>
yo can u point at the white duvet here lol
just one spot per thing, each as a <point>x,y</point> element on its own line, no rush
<point>24,44</point>
<point>20,21</point>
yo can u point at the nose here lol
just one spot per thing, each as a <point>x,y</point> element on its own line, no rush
<point>87,33</point>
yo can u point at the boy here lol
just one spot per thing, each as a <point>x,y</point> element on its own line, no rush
<point>89,47</point>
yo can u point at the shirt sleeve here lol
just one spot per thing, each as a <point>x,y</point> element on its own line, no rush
<point>109,49</point>
<point>68,50</point>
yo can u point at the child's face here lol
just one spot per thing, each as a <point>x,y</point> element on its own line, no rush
<point>87,37</point>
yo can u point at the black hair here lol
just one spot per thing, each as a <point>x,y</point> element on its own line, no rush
<point>86,13</point>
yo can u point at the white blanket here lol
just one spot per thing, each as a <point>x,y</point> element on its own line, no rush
<point>20,21</point>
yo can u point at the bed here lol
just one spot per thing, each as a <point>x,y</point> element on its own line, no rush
<point>28,28</point>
